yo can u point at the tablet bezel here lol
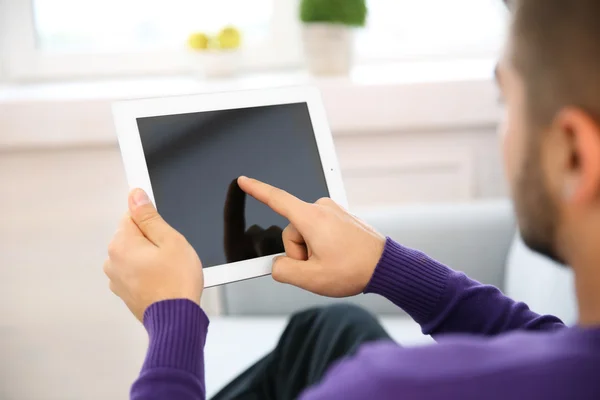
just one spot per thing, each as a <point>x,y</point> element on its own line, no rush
<point>126,113</point>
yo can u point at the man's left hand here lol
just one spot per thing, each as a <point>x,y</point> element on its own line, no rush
<point>149,261</point>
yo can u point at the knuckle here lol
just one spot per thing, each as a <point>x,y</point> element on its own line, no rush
<point>272,202</point>
<point>277,272</point>
<point>291,234</point>
<point>324,201</point>
<point>178,236</point>
<point>177,239</point>
<point>276,198</point>
<point>112,287</point>
<point>114,249</point>
<point>149,218</point>
<point>320,212</point>
<point>107,268</point>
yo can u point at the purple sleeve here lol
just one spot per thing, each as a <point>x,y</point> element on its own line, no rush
<point>445,301</point>
<point>174,364</point>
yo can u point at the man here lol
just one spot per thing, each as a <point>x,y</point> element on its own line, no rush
<point>489,347</point>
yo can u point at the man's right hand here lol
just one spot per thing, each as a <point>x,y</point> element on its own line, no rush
<point>328,251</point>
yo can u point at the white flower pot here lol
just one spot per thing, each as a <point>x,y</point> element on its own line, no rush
<point>328,48</point>
<point>216,63</point>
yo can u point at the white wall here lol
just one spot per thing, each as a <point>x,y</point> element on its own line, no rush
<point>439,165</point>
<point>62,332</point>
<point>63,335</point>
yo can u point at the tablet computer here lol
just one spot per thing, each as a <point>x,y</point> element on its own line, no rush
<point>186,152</point>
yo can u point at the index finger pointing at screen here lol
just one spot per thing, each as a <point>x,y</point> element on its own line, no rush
<point>278,200</point>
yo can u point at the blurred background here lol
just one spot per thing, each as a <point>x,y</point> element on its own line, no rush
<point>408,88</point>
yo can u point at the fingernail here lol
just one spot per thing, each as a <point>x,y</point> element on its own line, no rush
<point>140,198</point>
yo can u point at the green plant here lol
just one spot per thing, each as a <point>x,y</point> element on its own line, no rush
<point>346,12</point>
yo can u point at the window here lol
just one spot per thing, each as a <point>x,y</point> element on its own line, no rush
<point>418,29</point>
<point>110,26</point>
<point>86,38</point>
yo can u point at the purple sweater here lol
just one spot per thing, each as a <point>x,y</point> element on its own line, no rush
<point>489,347</point>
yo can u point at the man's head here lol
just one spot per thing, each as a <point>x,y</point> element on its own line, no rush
<point>549,76</point>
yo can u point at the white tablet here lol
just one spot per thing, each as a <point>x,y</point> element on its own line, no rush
<point>186,153</point>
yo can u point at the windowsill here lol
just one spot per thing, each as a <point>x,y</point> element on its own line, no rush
<point>374,98</point>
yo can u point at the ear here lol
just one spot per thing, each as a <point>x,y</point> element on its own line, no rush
<point>581,135</point>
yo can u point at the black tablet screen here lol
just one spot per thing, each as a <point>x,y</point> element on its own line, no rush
<point>193,160</point>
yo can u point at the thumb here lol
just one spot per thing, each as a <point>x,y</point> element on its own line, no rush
<point>300,273</point>
<point>147,218</point>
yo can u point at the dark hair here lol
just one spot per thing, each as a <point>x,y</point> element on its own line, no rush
<point>556,50</point>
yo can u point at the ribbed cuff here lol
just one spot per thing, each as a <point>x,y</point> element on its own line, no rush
<point>410,279</point>
<point>177,330</point>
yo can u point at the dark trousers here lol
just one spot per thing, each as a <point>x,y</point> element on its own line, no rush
<point>313,341</point>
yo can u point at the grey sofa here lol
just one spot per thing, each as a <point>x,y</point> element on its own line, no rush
<point>477,238</point>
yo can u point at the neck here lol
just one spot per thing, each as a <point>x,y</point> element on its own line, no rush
<point>585,261</point>
<point>588,298</point>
